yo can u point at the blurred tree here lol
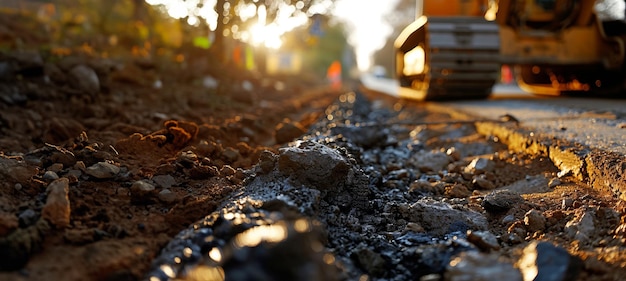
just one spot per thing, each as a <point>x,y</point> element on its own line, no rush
<point>323,47</point>
<point>107,28</point>
<point>104,23</point>
<point>402,15</point>
<point>230,19</point>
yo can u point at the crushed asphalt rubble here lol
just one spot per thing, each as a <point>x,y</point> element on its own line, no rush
<point>426,202</point>
<point>116,179</point>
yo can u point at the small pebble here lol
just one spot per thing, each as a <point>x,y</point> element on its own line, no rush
<point>50,175</point>
<point>80,165</point>
<point>484,240</point>
<point>27,218</point>
<point>567,203</point>
<point>164,181</point>
<point>141,191</point>
<point>454,153</point>
<point>508,219</point>
<point>103,170</point>
<point>56,167</point>
<point>534,221</point>
<point>482,183</point>
<point>57,208</point>
<point>167,196</point>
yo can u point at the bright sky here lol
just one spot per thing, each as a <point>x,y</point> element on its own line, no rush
<point>369,31</point>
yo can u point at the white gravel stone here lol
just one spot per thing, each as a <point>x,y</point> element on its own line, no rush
<point>103,170</point>
<point>454,153</point>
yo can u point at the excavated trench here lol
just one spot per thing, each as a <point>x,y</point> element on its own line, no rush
<point>380,190</point>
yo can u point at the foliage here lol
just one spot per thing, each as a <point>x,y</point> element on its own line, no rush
<point>330,46</point>
<point>103,27</point>
<point>229,19</point>
<point>136,28</point>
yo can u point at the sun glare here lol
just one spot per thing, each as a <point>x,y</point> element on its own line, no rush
<point>368,30</point>
<point>262,33</point>
<point>266,35</point>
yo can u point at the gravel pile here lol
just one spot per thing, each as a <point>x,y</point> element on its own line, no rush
<point>354,201</point>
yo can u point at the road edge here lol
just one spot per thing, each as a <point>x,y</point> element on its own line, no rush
<point>600,169</point>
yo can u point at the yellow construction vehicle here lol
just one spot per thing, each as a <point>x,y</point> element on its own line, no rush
<point>554,47</point>
<point>449,51</point>
<point>564,46</point>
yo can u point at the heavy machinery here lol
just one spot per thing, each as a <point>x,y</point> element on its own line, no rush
<point>449,51</point>
<point>554,47</point>
<point>564,46</point>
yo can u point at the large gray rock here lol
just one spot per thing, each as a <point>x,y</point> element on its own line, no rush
<point>318,165</point>
<point>439,218</point>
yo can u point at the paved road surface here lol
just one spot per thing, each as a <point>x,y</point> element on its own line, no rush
<point>595,123</point>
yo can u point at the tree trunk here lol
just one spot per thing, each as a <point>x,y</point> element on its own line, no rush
<point>218,43</point>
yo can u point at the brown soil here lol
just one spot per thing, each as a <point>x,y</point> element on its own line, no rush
<point>202,137</point>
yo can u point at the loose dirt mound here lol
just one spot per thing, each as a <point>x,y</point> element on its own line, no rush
<point>142,149</point>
